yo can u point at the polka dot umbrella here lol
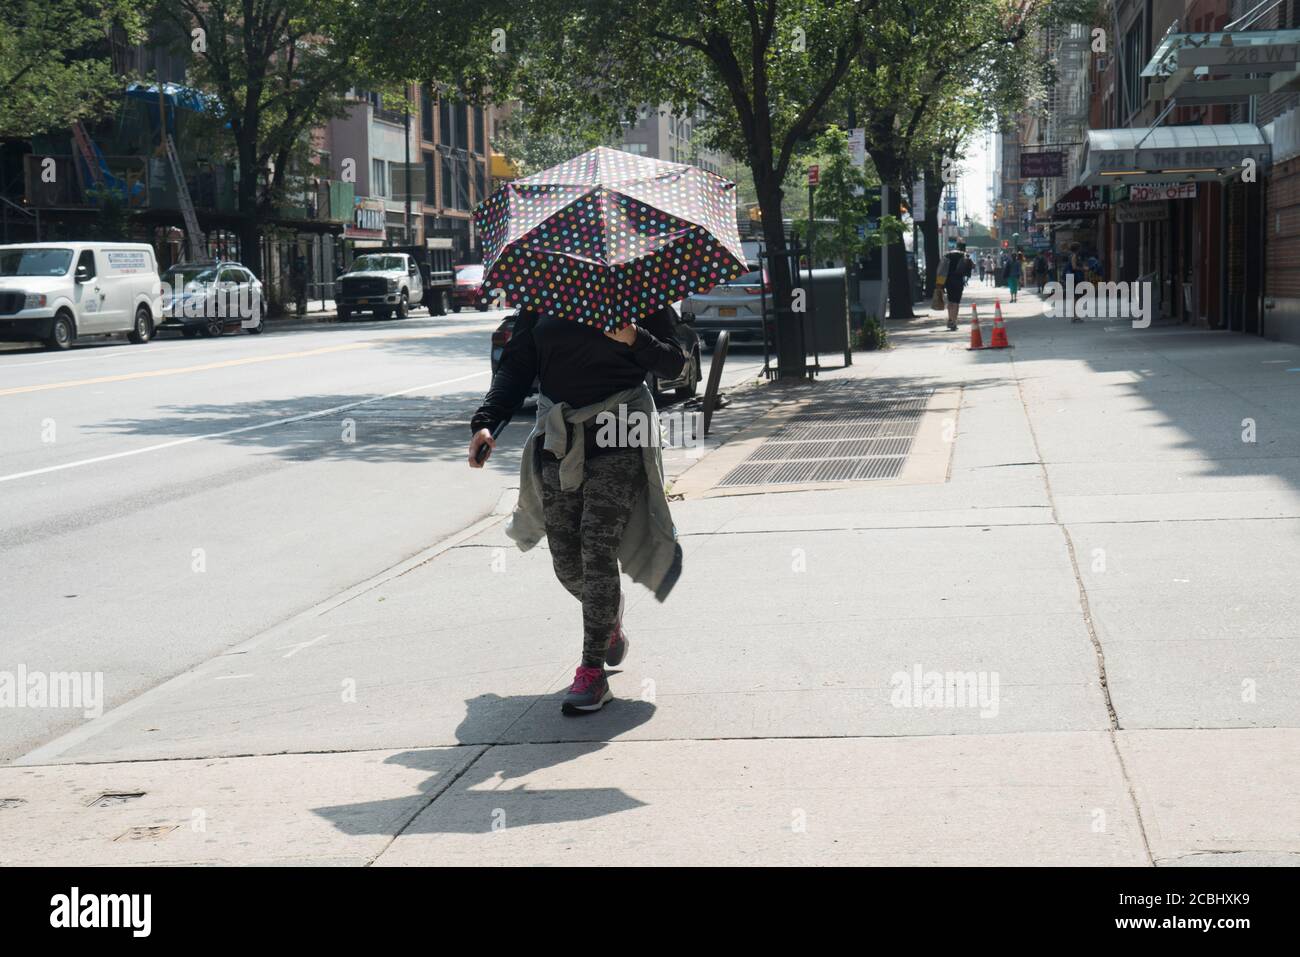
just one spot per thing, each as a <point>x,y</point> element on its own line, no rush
<point>609,237</point>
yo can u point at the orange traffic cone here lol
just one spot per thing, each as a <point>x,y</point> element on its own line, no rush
<point>999,338</point>
<point>976,337</point>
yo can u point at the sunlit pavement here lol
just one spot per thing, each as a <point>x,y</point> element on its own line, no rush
<point>1106,567</point>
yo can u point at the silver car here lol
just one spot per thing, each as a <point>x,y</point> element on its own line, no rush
<point>735,307</point>
<point>209,298</point>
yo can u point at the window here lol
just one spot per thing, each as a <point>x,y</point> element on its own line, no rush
<point>453,123</point>
<point>477,133</point>
<point>480,182</point>
<point>426,113</point>
<point>86,265</point>
<point>1134,84</point>
<point>378,181</point>
<point>429,179</point>
<point>460,120</point>
<point>455,181</point>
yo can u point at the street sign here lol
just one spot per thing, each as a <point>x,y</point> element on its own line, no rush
<point>814,175</point>
<point>858,147</point>
<point>950,203</point>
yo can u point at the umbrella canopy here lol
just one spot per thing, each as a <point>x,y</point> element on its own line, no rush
<point>609,237</point>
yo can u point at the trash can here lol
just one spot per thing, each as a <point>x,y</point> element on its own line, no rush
<point>827,325</point>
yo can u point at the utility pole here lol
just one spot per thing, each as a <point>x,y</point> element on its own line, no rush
<point>406,142</point>
<point>884,254</point>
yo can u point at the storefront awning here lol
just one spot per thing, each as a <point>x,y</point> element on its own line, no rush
<point>1256,62</point>
<point>1169,154</point>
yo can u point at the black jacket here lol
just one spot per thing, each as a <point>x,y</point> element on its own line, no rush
<point>576,363</point>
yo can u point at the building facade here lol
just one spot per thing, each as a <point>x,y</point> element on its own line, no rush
<point>1171,149</point>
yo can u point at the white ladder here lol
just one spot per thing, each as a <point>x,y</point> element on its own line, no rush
<point>193,237</point>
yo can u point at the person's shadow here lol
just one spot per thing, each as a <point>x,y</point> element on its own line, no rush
<point>514,737</point>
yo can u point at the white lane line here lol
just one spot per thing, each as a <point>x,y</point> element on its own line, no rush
<point>102,352</point>
<point>295,648</point>
<point>243,428</point>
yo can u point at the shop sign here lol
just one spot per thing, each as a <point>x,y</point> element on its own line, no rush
<point>1154,192</point>
<point>369,216</point>
<point>1041,165</point>
<point>1080,201</point>
<point>1255,58</point>
<point>1146,212</point>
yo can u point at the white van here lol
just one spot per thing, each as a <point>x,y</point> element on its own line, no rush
<point>56,293</point>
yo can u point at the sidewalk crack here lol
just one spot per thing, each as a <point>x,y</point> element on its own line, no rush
<point>1086,610</point>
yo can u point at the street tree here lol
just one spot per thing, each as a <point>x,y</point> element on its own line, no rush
<point>841,203</point>
<point>280,69</point>
<point>763,71</point>
<point>55,66</point>
<point>931,65</point>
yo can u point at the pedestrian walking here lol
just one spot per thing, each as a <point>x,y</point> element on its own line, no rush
<point>1040,271</point>
<point>588,329</point>
<point>1074,266</point>
<point>298,282</point>
<point>954,271</point>
<point>1013,275</point>
<point>588,489</point>
<point>983,261</point>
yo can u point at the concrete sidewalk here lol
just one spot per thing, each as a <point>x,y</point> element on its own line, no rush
<point>1087,537</point>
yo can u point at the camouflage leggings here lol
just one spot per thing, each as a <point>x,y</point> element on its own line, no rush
<point>584,528</point>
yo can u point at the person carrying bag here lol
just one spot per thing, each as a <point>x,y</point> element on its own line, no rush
<point>940,278</point>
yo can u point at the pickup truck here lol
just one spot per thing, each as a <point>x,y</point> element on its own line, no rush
<point>434,260</point>
<point>385,284</point>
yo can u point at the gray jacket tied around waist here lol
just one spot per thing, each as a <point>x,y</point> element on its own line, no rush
<point>649,552</point>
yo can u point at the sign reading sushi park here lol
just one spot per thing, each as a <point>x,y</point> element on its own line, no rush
<point>1080,201</point>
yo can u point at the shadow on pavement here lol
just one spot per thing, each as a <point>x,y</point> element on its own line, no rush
<point>490,793</point>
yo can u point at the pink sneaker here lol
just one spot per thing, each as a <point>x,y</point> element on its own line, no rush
<point>589,692</point>
<point>616,650</point>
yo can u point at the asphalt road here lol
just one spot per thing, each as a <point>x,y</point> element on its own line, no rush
<point>161,504</point>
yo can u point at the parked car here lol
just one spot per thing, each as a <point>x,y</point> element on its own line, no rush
<point>683,387</point>
<point>735,307</point>
<point>212,297</point>
<point>56,293</point>
<point>468,290</point>
<point>384,284</point>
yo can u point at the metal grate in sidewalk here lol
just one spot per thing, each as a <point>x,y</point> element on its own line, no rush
<point>846,436</point>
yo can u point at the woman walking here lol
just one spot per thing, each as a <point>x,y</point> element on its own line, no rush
<point>592,393</point>
<point>1013,275</point>
<point>593,292</point>
<point>955,269</point>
